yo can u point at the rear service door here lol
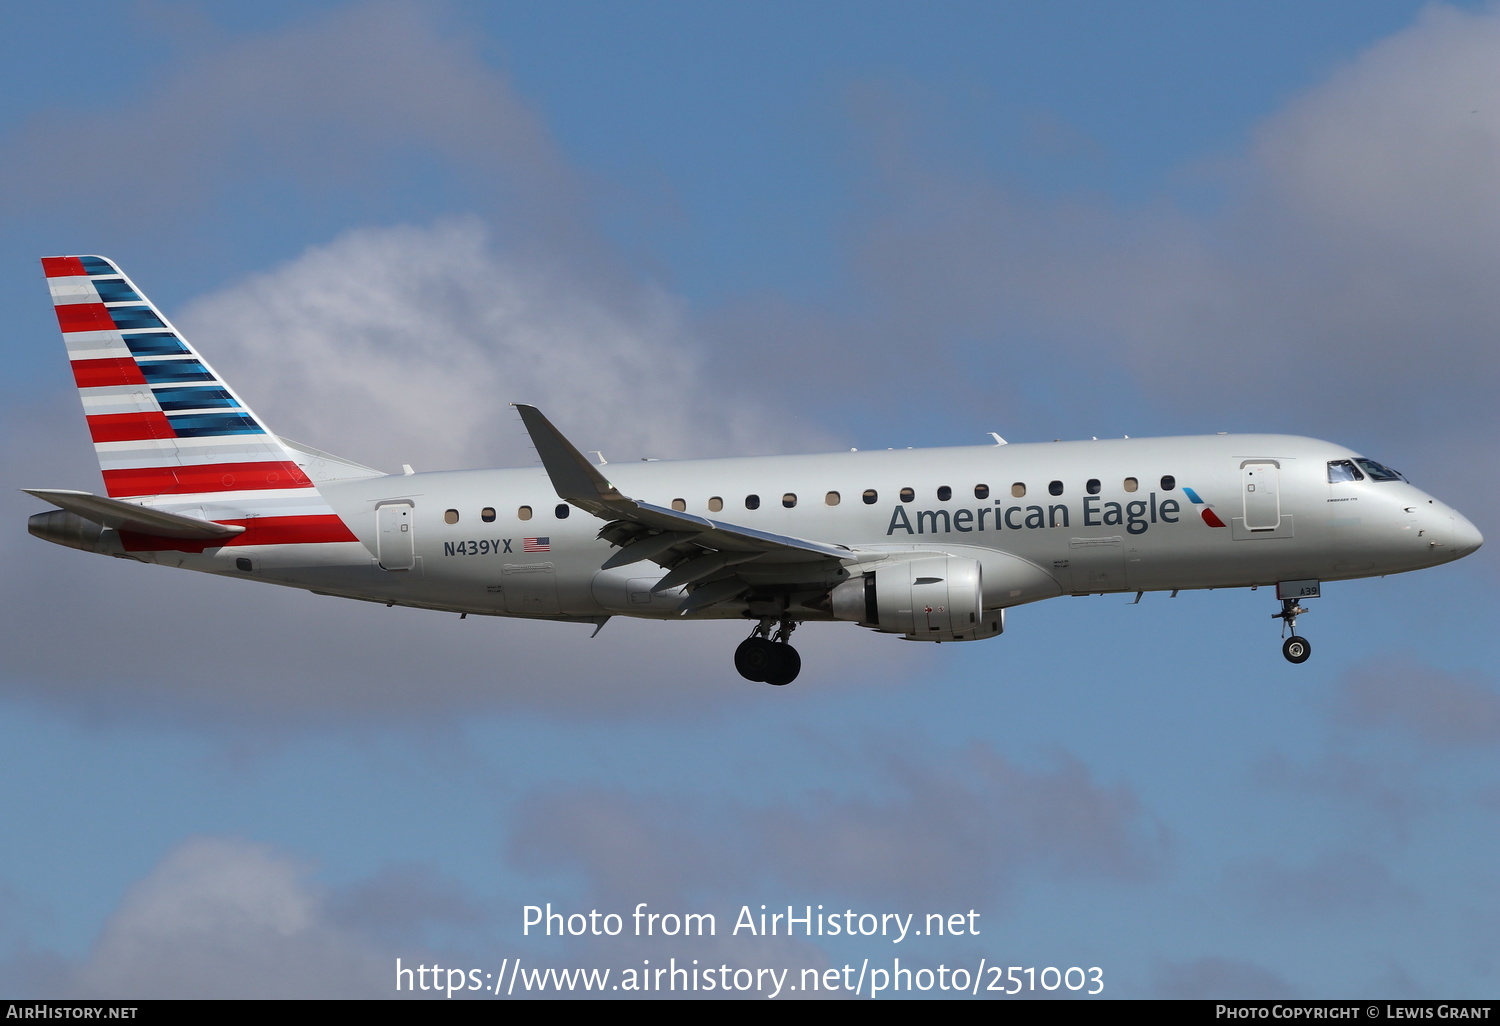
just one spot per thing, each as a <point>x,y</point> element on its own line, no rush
<point>396,536</point>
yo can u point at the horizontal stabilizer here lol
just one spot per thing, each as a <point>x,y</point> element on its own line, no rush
<point>127,516</point>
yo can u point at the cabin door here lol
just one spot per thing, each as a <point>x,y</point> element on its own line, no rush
<point>1261,485</point>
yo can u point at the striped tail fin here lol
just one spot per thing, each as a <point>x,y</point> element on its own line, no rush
<point>168,431</point>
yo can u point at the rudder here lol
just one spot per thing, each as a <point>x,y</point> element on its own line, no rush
<point>168,431</point>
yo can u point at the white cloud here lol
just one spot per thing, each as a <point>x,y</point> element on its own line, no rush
<point>1401,146</point>
<point>226,918</point>
<point>332,104</point>
<point>388,345</point>
<point>1342,287</point>
<point>407,345</point>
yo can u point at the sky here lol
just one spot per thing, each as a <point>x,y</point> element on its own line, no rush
<point>691,229</point>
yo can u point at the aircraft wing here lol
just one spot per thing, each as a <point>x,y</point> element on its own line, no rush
<point>127,516</point>
<point>579,482</point>
<point>696,550</point>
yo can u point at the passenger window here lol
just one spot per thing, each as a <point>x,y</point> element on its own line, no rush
<point>715,504</point>
<point>1093,486</point>
<point>1131,484</point>
<point>1343,470</point>
<point>981,491</point>
<point>487,514</point>
<point>945,493</point>
<point>562,510</point>
<point>832,498</point>
<point>870,496</point>
<point>907,495</point>
<point>1168,482</point>
<point>1018,490</point>
<point>524,513</point>
<point>752,502</point>
<point>789,499</point>
<point>680,505</point>
<point>1055,488</point>
<point>450,517</point>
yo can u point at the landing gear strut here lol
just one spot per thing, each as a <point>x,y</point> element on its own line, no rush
<point>768,659</point>
<point>1295,648</point>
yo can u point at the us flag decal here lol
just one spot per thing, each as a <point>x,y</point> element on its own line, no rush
<point>536,544</point>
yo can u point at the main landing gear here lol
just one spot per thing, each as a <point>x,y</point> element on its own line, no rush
<point>761,657</point>
<point>1296,649</point>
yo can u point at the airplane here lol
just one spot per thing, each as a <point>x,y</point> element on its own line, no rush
<point>926,544</point>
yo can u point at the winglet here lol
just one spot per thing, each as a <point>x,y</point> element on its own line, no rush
<point>579,482</point>
<point>573,476</point>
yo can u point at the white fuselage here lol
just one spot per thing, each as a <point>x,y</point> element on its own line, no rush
<point>931,545</point>
<point>493,542</point>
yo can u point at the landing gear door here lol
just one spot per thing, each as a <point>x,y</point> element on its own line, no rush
<point>396,535</point>
<point>1260,483</point>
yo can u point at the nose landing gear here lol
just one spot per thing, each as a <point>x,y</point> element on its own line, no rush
<point>1296,649</point>
<point>761,657</point>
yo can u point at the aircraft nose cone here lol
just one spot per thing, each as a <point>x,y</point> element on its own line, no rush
<point>1466,537</point>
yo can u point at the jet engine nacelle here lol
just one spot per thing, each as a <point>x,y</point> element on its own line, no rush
<point>937,598</point>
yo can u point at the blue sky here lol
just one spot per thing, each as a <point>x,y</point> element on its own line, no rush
<point>689,229</point>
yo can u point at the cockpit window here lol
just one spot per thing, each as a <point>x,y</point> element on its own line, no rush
<point>1343,470</point>
<point>1378,472</point>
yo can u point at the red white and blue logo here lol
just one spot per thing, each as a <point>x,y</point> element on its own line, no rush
<point>1206,510</point>
<point>167,430</point>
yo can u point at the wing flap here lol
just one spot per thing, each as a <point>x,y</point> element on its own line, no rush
<point>701,567</point>
<point>646,546</point>
<point>711,594</point>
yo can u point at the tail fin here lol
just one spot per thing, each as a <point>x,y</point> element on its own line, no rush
<point>167,430</point>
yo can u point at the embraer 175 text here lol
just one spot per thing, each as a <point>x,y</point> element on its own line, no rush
<point>931,545</point>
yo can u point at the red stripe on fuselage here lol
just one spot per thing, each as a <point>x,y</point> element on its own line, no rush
<point>209,477</point>
<point>258,531</point>
<point>62,267</point>
<point>112,371</point>
<point>129,427</point>
<point>84,317</point>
